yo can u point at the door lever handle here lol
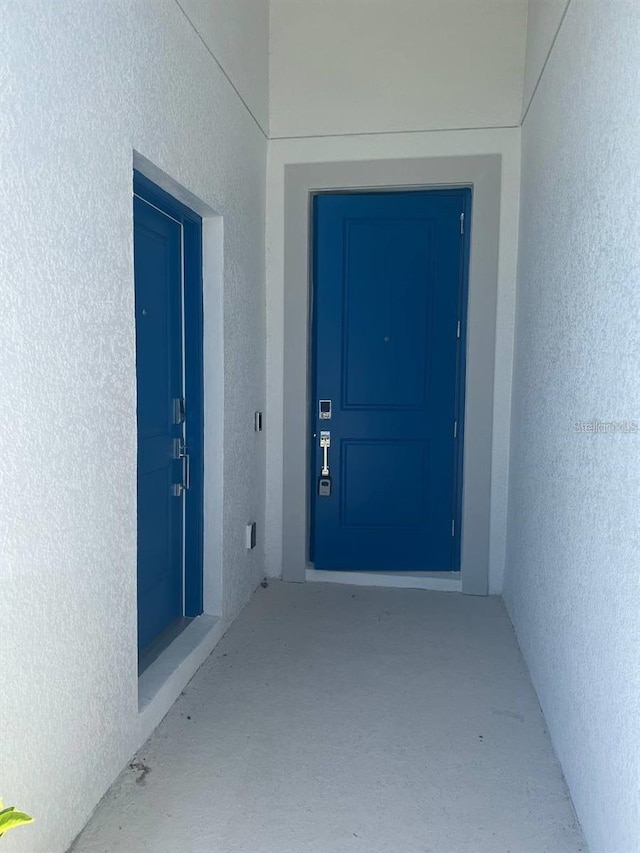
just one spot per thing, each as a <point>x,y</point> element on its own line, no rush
<point>325,444</point>
<point>180,451</point>
<point>186,469</point>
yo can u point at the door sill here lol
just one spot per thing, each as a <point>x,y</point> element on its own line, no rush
<point>162,681</point>
<point>162,643</point>
<point>437,581</point>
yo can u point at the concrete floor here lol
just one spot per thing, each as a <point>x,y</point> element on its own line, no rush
<point>334,718</point>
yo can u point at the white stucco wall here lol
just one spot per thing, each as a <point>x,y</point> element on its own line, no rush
<point>543,20</point>
<point>573,573</point>
<point>505,142</point>
<point>368,66</point>
<point>83,85</point>
<point>235,32</point>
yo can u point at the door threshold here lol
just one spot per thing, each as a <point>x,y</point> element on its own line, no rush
<point>161,643</point>
<point>437,581</point>
<point>161,683</point>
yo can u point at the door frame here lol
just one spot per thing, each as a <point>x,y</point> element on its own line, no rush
<point>482,174</point>
<point>193,338</point>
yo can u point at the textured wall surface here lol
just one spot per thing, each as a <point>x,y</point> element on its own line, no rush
<point>543,20</point>
<point>237,32</point>
<point>505,142</point>
<point>371,66</point>
<point>83,84</point>
<point>573,572</point>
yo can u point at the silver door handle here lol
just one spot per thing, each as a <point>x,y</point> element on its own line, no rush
<point>186,470</point>
<point>325,444</point>
<point>180,452</point>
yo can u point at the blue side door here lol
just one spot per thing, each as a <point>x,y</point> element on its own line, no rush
<point>158,291</point>
<point>389,296</point>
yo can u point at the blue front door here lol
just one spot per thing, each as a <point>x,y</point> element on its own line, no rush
<point>169,347</point>
<point>388,371</point>
<point>158,285</point>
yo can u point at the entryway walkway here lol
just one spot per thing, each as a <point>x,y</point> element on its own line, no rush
<point>337,719</point>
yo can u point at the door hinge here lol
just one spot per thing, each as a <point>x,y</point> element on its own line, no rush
<point>462,223</point>
<point>453,527</point>
<point>455,429</point>
<point>458,330</point>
